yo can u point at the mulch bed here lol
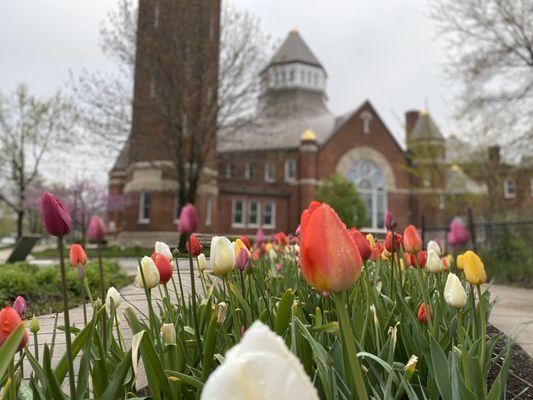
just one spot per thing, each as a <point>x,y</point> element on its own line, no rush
<point>520,370</point>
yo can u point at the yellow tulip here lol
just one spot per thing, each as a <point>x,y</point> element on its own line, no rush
<point>473,268</point>
<point>238,246</point>
<point>460,261</point>
<point>371,240</point>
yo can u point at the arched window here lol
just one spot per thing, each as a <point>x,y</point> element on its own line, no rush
<point>371,185</point>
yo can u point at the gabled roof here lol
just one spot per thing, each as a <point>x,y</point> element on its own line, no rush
<point>122,160</point>
<point>294,49</point>
<point>425,128</point>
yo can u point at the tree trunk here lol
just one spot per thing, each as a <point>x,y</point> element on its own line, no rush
<point>20,221</point>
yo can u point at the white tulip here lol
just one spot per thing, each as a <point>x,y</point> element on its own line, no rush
<point>454,292</point>
<point>150,272</point>
<point>272,255</point>
<point>202,262</point>
<point>222,259</point>
<point>163,248</point>
<point>432,245</point>
<point>112,293</point>
<point>434,263</point>
<point>259,367</point>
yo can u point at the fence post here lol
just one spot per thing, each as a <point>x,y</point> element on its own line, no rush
<point>472,229</point>
<point>423,228</point>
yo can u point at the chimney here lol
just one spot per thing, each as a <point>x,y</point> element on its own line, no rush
<point>410,121</point>
<point>494,155</point>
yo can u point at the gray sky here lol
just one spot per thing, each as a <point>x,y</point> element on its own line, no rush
<point>382,50</point>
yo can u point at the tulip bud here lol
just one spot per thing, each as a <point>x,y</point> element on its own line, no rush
<point>412,243</point>
<point>196,246</point>
<point>362,244</point>
<point>422,258</point>
<point>473,268</point>
<point>423,312</point>
<point>56,218</point>
<point>188,220</point>
<point>77,256</point>
<point>279,267</point>
<point>432,245</point>
<point>259,237</point>
<point>20,305</point>
<point>163,248</point>
<point>389,242</point>
<point>9,321</point>
<point>222,256</point>
<point>242,259</point>
<point>221,312</point>
<point>164,267</point>
<point>114,294</point>
<point>202,262</point>
<point>168,334</point>
<point>434,263</point>
<point>96,231</point>
<point>410,367</point>
<point>35,326</point>
<point>454,292</point>
<point>389,221</point>
<point>150,272</point>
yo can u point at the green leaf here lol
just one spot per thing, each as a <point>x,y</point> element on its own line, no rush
<point>117,383</point>
<point>284,312</point>
<point>9,348</point>
<point>51,380</point>
<point>187,379</point>
<point>441,371</point>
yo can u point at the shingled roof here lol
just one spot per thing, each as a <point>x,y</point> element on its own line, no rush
<point>425,128</point>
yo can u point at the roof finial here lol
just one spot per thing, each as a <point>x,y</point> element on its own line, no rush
<point>294,30</point>
<point>308,136</point>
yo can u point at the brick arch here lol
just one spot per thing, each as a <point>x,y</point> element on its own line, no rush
<point>369,154</point>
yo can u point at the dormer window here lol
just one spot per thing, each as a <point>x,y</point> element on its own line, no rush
<point>248,171</point>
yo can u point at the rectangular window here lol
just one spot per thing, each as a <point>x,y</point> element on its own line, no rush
<point>208,210</point>
<point>509,188</point>
<point>248,171</point>
<point>290,170</point>
<point>269,215</point>
<point>270,172</point>
<point>253,214</point>
<point>237,213</point>
<point>229,171</point>
<point>144,208</point>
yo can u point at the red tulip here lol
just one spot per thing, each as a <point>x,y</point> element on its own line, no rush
<point>422,257</point>
<point>9,321</point>
<point>163,266</point>
<point>282,239</point>
<point>408,259</point>
<point>376,254</point>
<point>397,241</point>
<point>96,231</point>
<point>56,218</point>
<point>196,246</point>
<point>423,310</point>
<point>256,255</point>
<point>362,244</point>
<point>20,305</point>
<point>329,258</point>
<point>188,221</point>
<point>412,242</point>
<point>77,255</point>
<point>246,241</point>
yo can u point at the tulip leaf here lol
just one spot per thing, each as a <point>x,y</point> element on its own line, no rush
<point>441,372</point>
<point>9,348</point>
<point>52,382</point>
<point>117,383</point>
<point>284,312</point>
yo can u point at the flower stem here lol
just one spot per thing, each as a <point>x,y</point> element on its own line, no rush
<point>349,346</point>
<point>36,346</point>
<point>193,290</point>
<point>66,318</point>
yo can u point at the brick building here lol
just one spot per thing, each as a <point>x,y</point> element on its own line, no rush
<point>267,173</point>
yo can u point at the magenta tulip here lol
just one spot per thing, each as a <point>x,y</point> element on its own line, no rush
<point>458,234</point>
<point>96,231</point>
<point>389,220</point>
<point>242,259</point>
<point>56,218</point>
<point>20,305</point>
<point>188,221</point>
<point>259,237</point>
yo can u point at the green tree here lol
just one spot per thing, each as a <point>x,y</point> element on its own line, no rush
<point>342,195</point>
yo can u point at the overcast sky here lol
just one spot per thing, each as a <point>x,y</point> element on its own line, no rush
<point>382,50</point>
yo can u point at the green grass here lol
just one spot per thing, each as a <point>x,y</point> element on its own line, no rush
<point>40,286</point>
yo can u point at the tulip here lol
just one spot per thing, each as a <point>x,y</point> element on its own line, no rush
<point>458,234</point>
<point>371,240</point>
<point>272,255</point>
<point>35,326</point>
<point>246,241</point>
<point>259,237</point>
<point>188,220</point>
<point>260,366</point>
<point>268,247</point>
<point>242,259</point>
<point>96,231</point>
<point>202,262</point>
<point>329,258</point>
<point>56,218</point>
<point>164,267</point>
<point>412,242</point>
<point>473,268</point>
<point>238,245</point>
<point>297,231</point>
<point>454,292</point>
<point>422,257</point>
<point>434,263</point>
<point>168,334</point>
<point>221,312</point>
<point>375,254</point>
<point>433,245</point>
<point>397,241</point>
<point>196,246</point>
<point>279,267</point>
<point>20,305</point>
<point>114,294</point>
<point>163,248</point>
<point>362,244</point>
<point>282,239</point>
<point>9,321</point>
<point>222,256</point>
<point>150,272</point>
<point>389,221</point>
<point>410,367</point>
<point>423,311</point>
<point>77,256</point>
<point>409,258</point>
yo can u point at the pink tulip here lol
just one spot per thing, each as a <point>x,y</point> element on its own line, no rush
<point>96,231</point>
<point>389,220</point>
<point>279,267</point>
<point>20,305</point>
<point>56,218</point>
<point>242,259</point>
<point>188,221</point>
<point>458,234</point>
<point>259,237</point>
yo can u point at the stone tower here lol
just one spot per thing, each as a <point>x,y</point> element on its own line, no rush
<point>176,73</point>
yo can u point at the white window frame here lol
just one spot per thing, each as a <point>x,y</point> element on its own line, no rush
<point>248,171</point>
<point>272,225</point>
<point>509,188</point>
<point>249,213</point>
<point>270,172</point>
<point>367,119</point>
<point>229,171</point>
<point>208,210</point>
<point>233,213</point>
<point>288,164</point>
<point>142,205</point>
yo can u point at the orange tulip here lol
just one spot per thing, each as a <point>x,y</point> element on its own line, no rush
<point>397,241</point>
<point>77,255</point>
<point>9,321</point>
<point>329,256</point>
<point>412,242</point>
<point>362,243</point>
<point>196,246</point>
<point>423,312</point>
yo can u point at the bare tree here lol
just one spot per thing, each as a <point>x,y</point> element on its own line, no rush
<point>29,128</point>
<point>490,45</point>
